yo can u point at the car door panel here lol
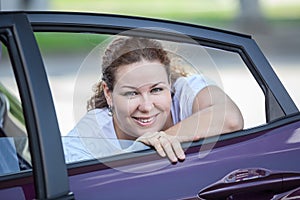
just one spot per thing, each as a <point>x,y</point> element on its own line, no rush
<point>185,180</point>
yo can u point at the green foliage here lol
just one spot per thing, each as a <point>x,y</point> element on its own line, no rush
<point>14,104</point>
<point>170,9</point>
<point>214,13</point>
<point>187,10</point>
<point>66,42</point>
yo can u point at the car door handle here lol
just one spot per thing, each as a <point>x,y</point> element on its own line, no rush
<point>255,182</point>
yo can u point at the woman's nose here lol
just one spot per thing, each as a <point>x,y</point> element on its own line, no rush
<point>146,104</point>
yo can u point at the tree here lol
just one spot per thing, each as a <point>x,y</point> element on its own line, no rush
<point>23,5</point>
<point>250,17</point>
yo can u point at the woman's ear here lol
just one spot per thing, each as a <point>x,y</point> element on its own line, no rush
<point>107,93</point>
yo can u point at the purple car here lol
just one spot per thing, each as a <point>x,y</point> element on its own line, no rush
<point>49,63</point>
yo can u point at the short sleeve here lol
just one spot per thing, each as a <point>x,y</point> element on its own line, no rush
<point>185,90</point>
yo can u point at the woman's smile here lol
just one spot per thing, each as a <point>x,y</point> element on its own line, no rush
<point>145,121</point>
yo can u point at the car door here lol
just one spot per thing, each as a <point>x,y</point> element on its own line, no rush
<point>27,77</point>
<point>53,79</point>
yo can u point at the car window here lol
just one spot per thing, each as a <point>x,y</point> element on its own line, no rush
<point>240,85</point>
<point>73,66</point>
<point>14,147</point>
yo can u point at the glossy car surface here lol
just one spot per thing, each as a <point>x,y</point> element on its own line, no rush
<point>260,161</point>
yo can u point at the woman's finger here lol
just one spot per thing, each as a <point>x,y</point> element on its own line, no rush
<point>177,148</point>
<point>168,149</point>
<point>165,145</point>
<point>157,145</point>
<point>175,144</point>
<point>151,139</point>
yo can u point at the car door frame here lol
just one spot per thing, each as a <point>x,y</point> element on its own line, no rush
<point>49,169</point>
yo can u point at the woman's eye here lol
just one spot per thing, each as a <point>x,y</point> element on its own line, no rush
<point>131,94</point>
<point>156,90</point>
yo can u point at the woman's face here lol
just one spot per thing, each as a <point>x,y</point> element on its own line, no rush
<point>141,99</point>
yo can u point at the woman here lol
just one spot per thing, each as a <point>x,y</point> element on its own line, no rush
<point>140,98</point>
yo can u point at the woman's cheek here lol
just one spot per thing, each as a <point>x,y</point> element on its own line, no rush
<point>129,106</point>
<point>164,102</point>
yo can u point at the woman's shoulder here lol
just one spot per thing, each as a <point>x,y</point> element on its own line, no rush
<point>194,79</point>
<point>194,82</point>
<point>97,115</point>
<point>98,111</point>
<point>94,123</point>
<point>185,90</point>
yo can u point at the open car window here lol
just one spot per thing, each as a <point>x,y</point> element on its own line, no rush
<point>73,60</point>
<point>73,66</point>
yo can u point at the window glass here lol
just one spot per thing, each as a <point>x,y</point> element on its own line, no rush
<point>73,65</point>
<point>63,55</point>
<point>240,85</point>
<point>14,149</point>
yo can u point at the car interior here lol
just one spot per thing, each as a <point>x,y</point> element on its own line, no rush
<point>15,154</point>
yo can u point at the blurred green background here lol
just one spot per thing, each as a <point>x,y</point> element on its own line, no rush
<point>207,12</point>
<point>269,19</point>
<point>274,24</point>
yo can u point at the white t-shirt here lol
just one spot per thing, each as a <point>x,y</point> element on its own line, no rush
<point>94,135</point>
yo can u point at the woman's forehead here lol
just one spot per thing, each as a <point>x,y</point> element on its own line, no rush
<point>140,73</point>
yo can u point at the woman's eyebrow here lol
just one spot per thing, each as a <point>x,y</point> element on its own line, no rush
<point>136,88</point>
<point>128,86</point>
<point>159,83</point>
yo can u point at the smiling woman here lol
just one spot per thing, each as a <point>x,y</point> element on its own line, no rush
<point>141,97</point>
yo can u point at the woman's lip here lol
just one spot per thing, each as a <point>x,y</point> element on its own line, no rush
<point>145,121</point>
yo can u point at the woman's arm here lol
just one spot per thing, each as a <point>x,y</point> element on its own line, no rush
<point>214,113</point>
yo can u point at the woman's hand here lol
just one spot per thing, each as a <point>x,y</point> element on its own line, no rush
<point>165,145</point>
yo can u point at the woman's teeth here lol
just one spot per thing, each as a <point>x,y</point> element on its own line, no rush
<point>146,120</point>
